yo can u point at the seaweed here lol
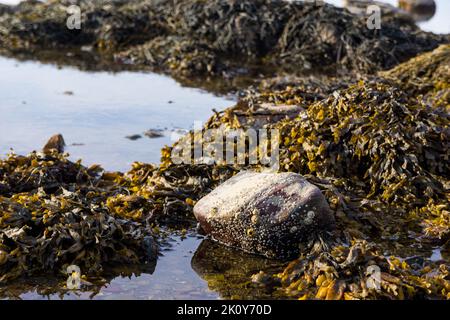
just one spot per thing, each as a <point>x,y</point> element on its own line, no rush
<point>379,152</point>
<point>375,143</point>
<point>52,215</point>
<point>426,77</point>
<point>218,38</point>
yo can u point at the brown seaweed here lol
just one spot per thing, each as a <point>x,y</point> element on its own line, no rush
<point>218,38</point>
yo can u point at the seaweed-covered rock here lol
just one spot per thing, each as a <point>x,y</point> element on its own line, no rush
<point>426,77</point>
<point>264,213</point>
<point>378,151</point>
<point>218,37</point>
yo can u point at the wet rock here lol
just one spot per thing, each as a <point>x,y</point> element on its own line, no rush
<point>264,213</point>
<point>154,133</point>
<point>421,10</point>
<point>55,143</point>
<point>134,137</point>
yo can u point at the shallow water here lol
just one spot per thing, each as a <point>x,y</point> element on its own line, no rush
<point>173,278</point>
<point>102,109</point>
<point>189,268</point>
<point>95,111</point>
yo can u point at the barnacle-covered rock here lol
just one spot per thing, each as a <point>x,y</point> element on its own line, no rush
<point>264,213</point>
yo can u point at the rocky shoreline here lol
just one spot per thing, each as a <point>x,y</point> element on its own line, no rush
<point>373,142</point>
<point>220,39</point>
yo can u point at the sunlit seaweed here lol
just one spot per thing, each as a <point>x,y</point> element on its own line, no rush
<point>377,148</point>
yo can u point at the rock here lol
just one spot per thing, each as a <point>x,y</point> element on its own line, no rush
<point>154,133</point>
<point>265,213</point>
<point>55,143</point>
<point>420,10</point>
<point>134,137</point>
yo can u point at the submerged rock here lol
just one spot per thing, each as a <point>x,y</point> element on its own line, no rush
<point>264,213</point>
<point>134,137</point>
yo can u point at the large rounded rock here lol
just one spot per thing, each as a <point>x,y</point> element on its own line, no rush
<point>420,10</point>
<point>265,213</point>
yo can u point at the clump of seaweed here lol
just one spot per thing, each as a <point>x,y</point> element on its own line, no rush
<point>364,134</point>
<point>380,155</point>
<point>166,194</point>
<point>347,272</point>
<point>426,77</point>
<point>53,214</point>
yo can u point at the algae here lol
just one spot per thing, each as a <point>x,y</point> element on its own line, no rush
<point>380,154</point>
<point>218,38</point>
<point>375,143</point>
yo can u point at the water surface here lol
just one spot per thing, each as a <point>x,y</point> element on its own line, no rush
<point>95,111</point>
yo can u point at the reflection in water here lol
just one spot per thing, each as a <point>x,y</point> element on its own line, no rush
<point>53,287</point>
<point>213,271</point>
<point>228,271</point>
<point>102,110</point>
